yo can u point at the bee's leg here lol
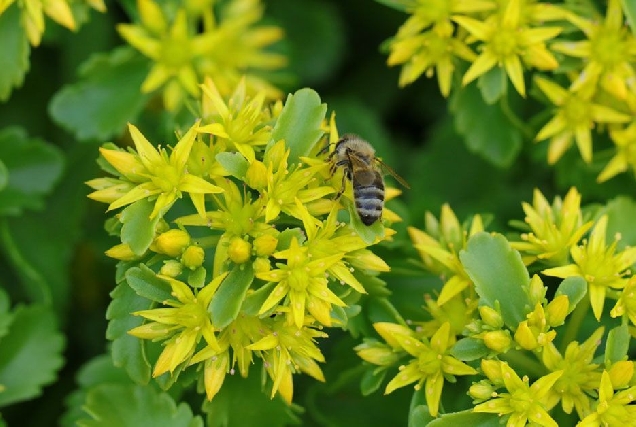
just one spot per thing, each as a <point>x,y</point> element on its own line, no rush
<point>346,175</point>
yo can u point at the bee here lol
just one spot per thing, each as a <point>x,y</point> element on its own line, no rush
<point>357,158</point>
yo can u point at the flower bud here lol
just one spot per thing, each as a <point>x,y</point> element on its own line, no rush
<point>491,317</point>
<point>239,250</point>
<point>171,268</point>
<point>498,341</point>
<point>481,391</point>
<point>261,265</point>
<point>172,242</point>
<point>537,290</point>
<point>193,257</point>
<point>121,252</point>
<point>556,310</point>
<point>524,336</point>
<point>256,175</point>
<point>492,369</point>
<point>377,353</point>
<point>265,245</point>
<point>621,373</point>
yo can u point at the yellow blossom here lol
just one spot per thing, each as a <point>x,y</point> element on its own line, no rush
<point>613,407</point>
<point>32,16</point>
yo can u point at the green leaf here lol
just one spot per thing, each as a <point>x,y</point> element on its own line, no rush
<point>135,406</point>
<point>485,128</point>
<point>6,316</point>
<point>234,163</point>
<point>467,349</point>
<point>107,96</point>
<point>127,351</point>
<point>32,168</point>
<point>498,274</point>
<point>371,381</point>
<point>299,123</point>
<point>254,301</point>
<point>31,354</point>
<point>419,416</point>
<point>196,277</point>
<point>575,287</point>
<point>617,344</point>
<point>146,284</point>
<point>621,212</point>
<point>286,236</point>
<point>466,418</point>
<point>629,7</point>
<point>138,229</point>
<point>226,302</point>
<point>493,85</point>
<point>242,402</point>
<point>4,176</point>
<point>14,55</point>
<point>401,5</point>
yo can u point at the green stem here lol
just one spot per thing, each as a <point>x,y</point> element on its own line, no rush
<point>574,323</point>
<point>516,121</point>
<point>523,360</point>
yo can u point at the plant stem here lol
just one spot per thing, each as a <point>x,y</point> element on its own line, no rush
<point>516,121</point>
<point>574,323</point>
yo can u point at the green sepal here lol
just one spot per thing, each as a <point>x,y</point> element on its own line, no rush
<point>14,55</point>
<point>138,230</point>
<point>146,284</point>
<point>31,353</point>
<point>106,97</point>
<point>299,123</point>
<point>575,288</point>
<point>132,405</point>
<point>617,344</point>
<point>498,274</point>
<point>371,380</point>
<point>127,351</point>
<point>467,349</point>
<point>226,302</point>
<point>234,163</point>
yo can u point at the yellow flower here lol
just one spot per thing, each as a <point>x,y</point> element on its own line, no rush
<point>599,265</point>
<point>183,324</point>
<point>523,402</point>
<point>555,229</point>
<point>580,376</point>
<point>576,115</point>
<point>432,362</point>
<point>625,144</point>
<point>158,175</point>
<point>626,304</point>
<point>32,16</point>
<point>613,408</point>
<point>608,53</point>
<point>506,42</point>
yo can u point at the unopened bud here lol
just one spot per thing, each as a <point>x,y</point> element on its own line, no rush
<point>172,242</point>
<point>481,391</point>
<point>265,245</point>
<point>557,310</point>
<point>498,341</point>
<point>491,317</point>
<point>193,257</point>
<point>621,373</point>
<point>239,250</point>
<point>524,336</point>
<point>377,353</point>
<point>537,290</point>
<point>261,265</point>
<point>256,175</point>
<point>121,252</point>
<point>171,268</point>
<point>492,369</point>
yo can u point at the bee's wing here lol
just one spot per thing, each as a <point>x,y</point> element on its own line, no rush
<point>392,173</point>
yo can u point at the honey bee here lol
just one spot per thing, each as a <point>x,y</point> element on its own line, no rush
<point>357,158</point>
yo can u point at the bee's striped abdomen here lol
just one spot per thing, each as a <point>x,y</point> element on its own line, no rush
<point>369,200</point>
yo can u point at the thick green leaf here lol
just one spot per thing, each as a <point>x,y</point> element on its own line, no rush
<point>299,123</point>
<point>575,287</point>
<point>234,163</point>
<point>493,85</point>
<point>254,301</point>
<point>107,96</point>
<point>368,233</point>
<point>621,212</point>
<point>498,274</point>
<point>138,229</point>
<point>14,55</point>
<point>4,176</point>
<point>401,5</point>
<point>485,128</point>
<point>127,351</point>
<point>135,406</point>
<point>242,402</point>
<point>420,416</point>
<point>6,316</point>
<point>466,418</point>
<point>371,381</point>
<point>227,301</point>
<point>286,236</point>
<point>146,284</point>
<point>31,354</point>
<point>617,344</point>
<point>629,7</point>
<point>467,349</point>
<point>33,168</point>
